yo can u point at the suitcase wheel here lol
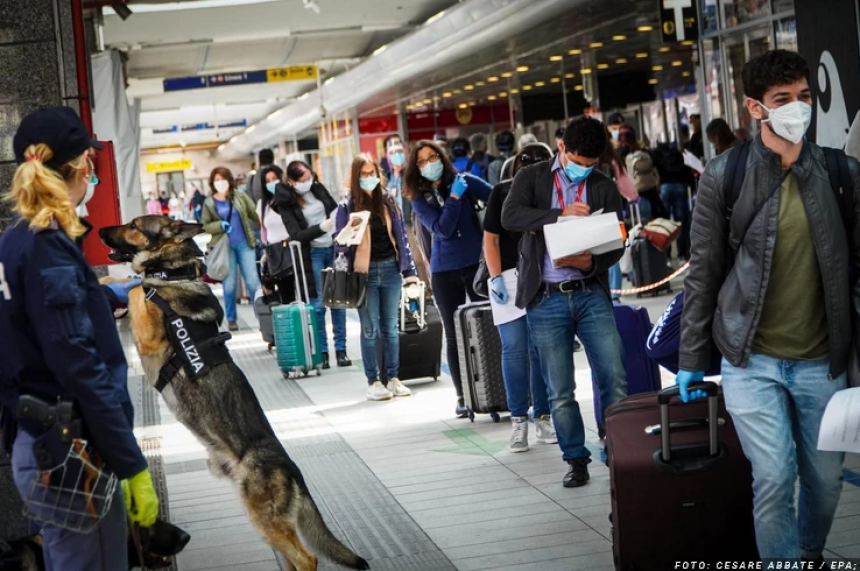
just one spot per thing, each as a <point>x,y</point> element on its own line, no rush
<point>319,371</point>
<point>495,416</point>
<point>271,346</point>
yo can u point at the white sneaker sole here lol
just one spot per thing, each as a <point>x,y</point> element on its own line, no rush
<point>547,440</point>
<point>517,450</point>
<point>380,398</point>
<point>402,395</point>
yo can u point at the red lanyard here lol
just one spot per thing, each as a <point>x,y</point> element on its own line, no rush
<point>560,192</point>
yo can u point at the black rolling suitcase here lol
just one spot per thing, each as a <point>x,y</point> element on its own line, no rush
<point>650,265</point>
<point>263,305</point>
<point>692,478</point>
<point>420,334</point>
<point>480,350</point>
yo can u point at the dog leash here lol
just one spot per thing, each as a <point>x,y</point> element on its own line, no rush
<point>135,535</point>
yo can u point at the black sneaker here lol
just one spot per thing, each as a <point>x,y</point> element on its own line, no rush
<point>577,475</point>
<point>462,411</point>
<point>342,359</point>
<point>325,364</point>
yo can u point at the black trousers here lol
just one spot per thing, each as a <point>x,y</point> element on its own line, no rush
<point>450,290</point>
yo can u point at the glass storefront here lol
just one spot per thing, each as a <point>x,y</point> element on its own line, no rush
<point>733,32</point>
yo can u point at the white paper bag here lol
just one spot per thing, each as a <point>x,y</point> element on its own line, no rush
<point>597,234</point>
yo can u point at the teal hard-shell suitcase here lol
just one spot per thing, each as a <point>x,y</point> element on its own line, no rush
<point>297,344</point>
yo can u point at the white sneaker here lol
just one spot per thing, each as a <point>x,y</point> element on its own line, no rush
<point>377,391</point>
<point>520,435</point>
<point>545,430</point>
<point>396,387</point>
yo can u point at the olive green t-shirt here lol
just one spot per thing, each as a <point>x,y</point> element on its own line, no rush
<point>793,323</point>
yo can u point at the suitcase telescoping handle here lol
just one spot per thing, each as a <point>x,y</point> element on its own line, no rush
<point>299,268</point>
<point>665,396</point>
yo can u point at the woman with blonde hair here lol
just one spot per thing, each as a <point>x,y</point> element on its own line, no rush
<point>61,344</point>
<point>385,256</point>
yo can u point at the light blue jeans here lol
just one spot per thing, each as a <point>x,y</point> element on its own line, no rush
<point>521,369</point>
<point>554,319</point>
<point>379,316</point>
<point>323,258</point>
<point>243,259</point>
<point>104,548</point>
<point>777,408</point>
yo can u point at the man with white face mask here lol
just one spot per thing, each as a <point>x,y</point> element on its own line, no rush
<point>769,285</point>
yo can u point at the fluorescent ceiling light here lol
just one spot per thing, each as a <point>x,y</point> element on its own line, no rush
<point>328,81</point>
<point>304,96</point>
<point>578,88</point>
<point>469,87</point>
<point>575,52</point>
<point>380,49</point>
<point>522,68</point>
<point>434,18</point>
<point>221,147</point>
<point>645,28</point>
<point>652,82</point>
<point>641,55</point>
<point>556,58</point>
<point>251,129</point>
<point>462,106</point>
<point>493,78</point>
<point>540,83</point>
<point>276,114</point>
<point>199,4</point>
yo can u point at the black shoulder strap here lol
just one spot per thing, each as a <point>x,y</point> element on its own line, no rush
<point>843,187</point>
<point>736,169</point>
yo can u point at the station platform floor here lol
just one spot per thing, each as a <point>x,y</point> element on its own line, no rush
<point>406,484</point>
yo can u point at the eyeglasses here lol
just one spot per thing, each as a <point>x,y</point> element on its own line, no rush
<point>431,159</point>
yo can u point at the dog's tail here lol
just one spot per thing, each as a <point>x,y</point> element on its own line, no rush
<point>320,538</point>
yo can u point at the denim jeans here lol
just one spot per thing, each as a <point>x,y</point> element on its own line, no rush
<point>777,408</point>
<point>323,258</point>
<point>450,290</point>
<point>615,279</point>
<point>554,319</point>
<point>678,203</point>
<point>242,258</point>
<point>521,369</point>
<point>379,318</point>
<point>103,548</point>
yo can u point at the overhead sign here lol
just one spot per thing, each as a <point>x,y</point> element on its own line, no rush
<point>169,166</point>
<point>292,73</point>
<point>679,20</point>
<point>200,127</point>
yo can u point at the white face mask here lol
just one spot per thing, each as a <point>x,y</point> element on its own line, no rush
<point>789,121</point>
<point>304,187</point>
<point>221,186</point>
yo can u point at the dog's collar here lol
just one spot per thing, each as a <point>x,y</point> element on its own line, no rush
<point>184,273</point>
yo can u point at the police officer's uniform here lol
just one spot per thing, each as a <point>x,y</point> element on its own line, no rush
<point>59,339</point>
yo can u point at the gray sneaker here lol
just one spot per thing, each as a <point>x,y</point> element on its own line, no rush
<point>545,431</point>
<point>520,434</point>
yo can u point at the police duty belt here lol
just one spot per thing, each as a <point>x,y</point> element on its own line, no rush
<point>197,347</point>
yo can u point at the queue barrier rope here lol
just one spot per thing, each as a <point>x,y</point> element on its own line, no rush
<point>643,289</point>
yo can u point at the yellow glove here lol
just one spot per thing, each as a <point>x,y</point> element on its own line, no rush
<point>145,503</point>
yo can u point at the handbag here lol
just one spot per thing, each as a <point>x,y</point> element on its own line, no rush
<point>344,289</point>
<point>218,260</point>
<point>278,260</point>
<point>661,232</point>
<point>482,276</point>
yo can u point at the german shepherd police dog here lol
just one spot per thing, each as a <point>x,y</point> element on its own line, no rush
<point>220,406</point>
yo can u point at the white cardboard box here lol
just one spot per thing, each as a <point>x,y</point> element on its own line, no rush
<point>598,234</point>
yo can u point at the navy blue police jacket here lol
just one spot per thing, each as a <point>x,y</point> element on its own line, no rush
<point>59,340</point>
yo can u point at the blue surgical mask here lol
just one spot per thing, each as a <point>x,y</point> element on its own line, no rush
<point>368,183</point>
<point>397,159</point>
<point>433,171</point>
<point>575,172</point>
<point>270,186</point>
<point>616,135</point>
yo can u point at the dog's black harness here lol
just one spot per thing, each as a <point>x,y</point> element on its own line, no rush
<point>197,347</point>
<point>183,273</point>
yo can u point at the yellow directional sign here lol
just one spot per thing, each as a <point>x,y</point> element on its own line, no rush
<point>292,73</point>
<point>169,166</point>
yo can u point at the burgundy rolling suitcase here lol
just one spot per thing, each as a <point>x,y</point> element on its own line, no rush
<point>682,494</point>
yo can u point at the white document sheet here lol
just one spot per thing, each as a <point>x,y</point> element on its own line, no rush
<point>693,162</point>
<point>840,427</point>
<point>505,313</point>
<point>353,232</point>
<point>598,233</point>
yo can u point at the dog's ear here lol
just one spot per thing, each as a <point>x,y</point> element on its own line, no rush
<point>180,231</point>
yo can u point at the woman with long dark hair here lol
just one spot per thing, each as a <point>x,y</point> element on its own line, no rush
<point>273,230</point>
<point>227,215</point>
<point>720,135</point>
<point>306,209</point>
<point>520,365</point>
<point>385,256</point>
<point>445,204</point>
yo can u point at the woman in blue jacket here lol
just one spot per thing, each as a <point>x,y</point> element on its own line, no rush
<point>445,204</point>
<point>384,255</point>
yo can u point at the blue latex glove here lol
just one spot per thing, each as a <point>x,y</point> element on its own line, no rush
<point>225,226</point>
<point>459,186</point>
<point>121,289</point>
<point>498,290</point>
<point>684,379</point>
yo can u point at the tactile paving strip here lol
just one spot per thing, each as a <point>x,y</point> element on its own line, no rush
<point>354,503</point>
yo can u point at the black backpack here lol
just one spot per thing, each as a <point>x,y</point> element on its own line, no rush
<point>837,168</point>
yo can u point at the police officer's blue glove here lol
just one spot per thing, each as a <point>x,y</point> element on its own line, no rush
<point>459,186</point>
<point>121,289</point>
<point>684,379</point>
<point>225,226</point>
<point>498,290</point>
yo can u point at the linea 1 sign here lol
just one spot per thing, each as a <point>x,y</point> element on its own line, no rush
<point>292,73</point>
